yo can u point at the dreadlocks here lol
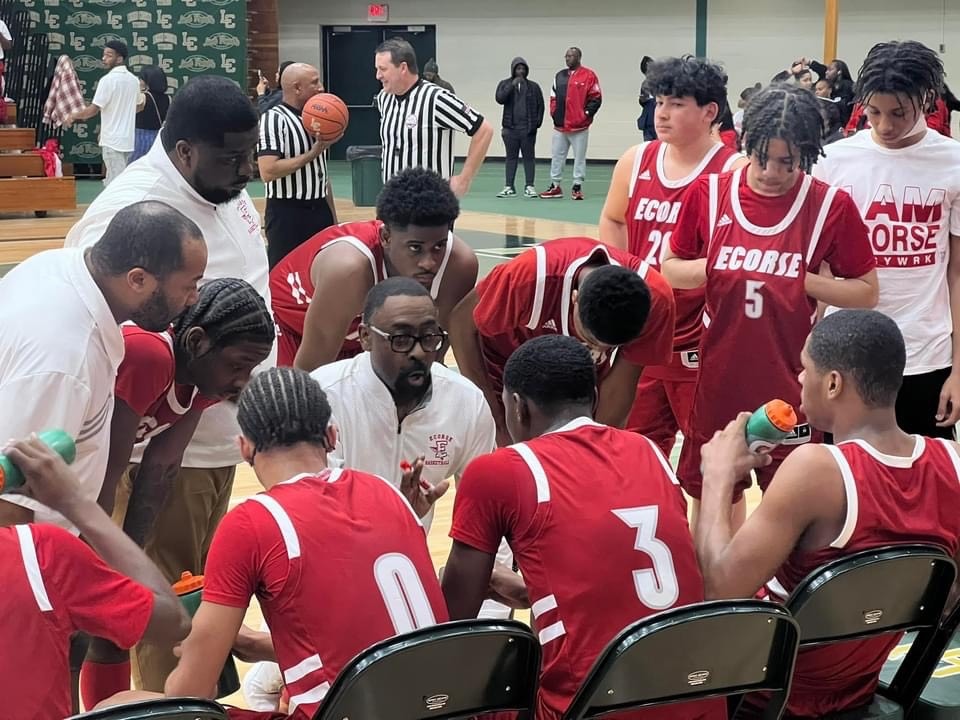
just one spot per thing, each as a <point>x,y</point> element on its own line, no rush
<point>282,407</point>
<point>230,311</point>
<point>786,112</point>
<point>908,68</point>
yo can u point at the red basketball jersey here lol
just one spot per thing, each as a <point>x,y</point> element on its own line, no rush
<point>291,285</point>
<point>532,295</point>
<point>889,500</point>
<point>653,209</point>
<point>338,562</point>
<point>757,314</point>
<point>146,382</point>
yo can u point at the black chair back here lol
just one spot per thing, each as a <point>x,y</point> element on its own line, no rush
<point>161,709</point>
<point>456,669</point>
<point>707,650</point>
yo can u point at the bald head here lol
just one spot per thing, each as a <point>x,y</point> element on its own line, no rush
<point>299,83</point>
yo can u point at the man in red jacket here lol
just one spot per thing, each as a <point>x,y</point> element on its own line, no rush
<point>574,100</point>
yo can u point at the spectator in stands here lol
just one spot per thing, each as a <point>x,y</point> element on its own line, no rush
<point>267,98</point>
<point>431,73</point>
<point>152,106</point>
<point>745,96</point>
<point>116,101</point>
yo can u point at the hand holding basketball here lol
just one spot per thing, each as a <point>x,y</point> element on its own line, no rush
<point>325,116</point>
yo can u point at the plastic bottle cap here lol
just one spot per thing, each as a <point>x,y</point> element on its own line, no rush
<point>781,415</point>
<point>188,583</point>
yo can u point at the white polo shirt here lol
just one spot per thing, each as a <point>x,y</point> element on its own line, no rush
<point>116,96</point>
<point>5,32</point>
<point>449,430</point>
<point>60,348</point>
<point>235,249</point>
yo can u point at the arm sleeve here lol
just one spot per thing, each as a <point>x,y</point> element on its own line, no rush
<point>273,136</point>
<point>485,508</point>
<point>146,371</point>
<point>451,112</point>
<point>232,569</point>
<point>688,240</point>
<point>849,253</point>
<point>98,600</point>
<point>654,346</point>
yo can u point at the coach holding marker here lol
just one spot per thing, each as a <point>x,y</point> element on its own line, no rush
<point>418,118</point>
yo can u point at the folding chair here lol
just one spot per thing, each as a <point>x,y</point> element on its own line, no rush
<point>162,709</point>
<point>889,589</point>
<point>711,649</point>
<point>457,669</point>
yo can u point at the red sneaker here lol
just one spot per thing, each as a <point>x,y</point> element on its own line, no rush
<point>576,193</point>
<point>553,191</point>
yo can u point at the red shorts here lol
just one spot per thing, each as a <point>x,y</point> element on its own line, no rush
<point>661,408</point>
<point>288,342</point>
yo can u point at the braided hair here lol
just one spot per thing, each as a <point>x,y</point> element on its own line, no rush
<point>788,113</point>
<point>281,407</point>
<point>230,311</point>
<point>907,68</point>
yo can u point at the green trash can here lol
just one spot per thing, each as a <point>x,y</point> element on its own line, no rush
<point>365,168</point>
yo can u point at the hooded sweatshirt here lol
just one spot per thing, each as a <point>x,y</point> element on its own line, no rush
<point>522,101</point>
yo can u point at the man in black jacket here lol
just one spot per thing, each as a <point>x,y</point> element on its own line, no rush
<point>522,101</point>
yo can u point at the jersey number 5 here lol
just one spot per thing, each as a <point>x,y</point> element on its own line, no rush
<point>403,593</point>
<point>656,587</point>
<point>753,307</point>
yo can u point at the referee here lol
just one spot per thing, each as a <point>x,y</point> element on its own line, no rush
<point>418,119</point>
<point>294,167</point>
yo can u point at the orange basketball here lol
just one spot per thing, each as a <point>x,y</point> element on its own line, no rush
<point>325,116</point>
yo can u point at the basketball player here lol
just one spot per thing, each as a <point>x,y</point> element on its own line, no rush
<point>283,545</point>
<point>55,585</point>
<point>757,239</point>
<point>319,289</point>
<point>611,301</point>
<point>579,503</point>
<point>164,383</point>
<point>877,486</point>
<point>906,182</point>
<point>641,212</point>
<point>60,348</point>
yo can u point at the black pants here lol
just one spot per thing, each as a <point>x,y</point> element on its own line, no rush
<point>917,404</point>
<point>289,223</point>
<point>516,143</point>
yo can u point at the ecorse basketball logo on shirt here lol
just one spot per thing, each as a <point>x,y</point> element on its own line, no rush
<point>439,445</point>
<point>904,230</point>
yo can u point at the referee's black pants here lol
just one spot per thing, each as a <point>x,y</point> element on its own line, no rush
<point>289,223</point>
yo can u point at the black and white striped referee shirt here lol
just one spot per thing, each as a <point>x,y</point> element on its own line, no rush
<point>282,134</point>
<point>416,129</point>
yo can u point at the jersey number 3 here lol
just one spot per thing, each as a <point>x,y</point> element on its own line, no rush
<point>657,586</point>
<point>403,593</point>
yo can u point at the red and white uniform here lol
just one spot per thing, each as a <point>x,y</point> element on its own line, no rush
<point>665,392</point>
<point>53,586</point>
<point>889,500</point>
<point>531,296</point>
<point>291,285</point>
<point>758,314</point>
<point>595,559</point>
<point>146,382</point>
<point>338,562</point>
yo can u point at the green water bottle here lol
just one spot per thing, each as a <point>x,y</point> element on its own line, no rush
<point>10,475</point>
<point>189,588</point>
<point>769,426</point>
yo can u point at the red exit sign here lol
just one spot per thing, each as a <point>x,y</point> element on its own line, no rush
<point>378,12</point>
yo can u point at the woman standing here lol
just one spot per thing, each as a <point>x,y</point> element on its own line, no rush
<point>151,109</point>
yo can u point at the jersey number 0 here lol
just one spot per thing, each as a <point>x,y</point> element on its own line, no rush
<point>403,593</point>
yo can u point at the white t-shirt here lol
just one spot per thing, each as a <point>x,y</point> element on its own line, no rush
<point>910,201</point>
<point>452,428</point>
<point>5,32</point>
<point>60,348</point>
<point>235,249</point>
<point>116,96</point>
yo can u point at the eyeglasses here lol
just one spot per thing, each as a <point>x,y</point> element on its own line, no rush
<point>403,342</point>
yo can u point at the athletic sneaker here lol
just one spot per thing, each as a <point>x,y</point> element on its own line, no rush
<point>530,192</point>
<point>506,192</point>
<point>576,193</point>
<point>553,191</point>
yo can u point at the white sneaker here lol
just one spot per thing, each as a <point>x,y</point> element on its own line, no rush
<point>507,192</point>
<point>530,192</point>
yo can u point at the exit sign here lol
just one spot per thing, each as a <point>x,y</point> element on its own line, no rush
<point>378,12</point>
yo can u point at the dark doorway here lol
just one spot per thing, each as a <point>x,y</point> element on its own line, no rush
<point>348,72</point>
